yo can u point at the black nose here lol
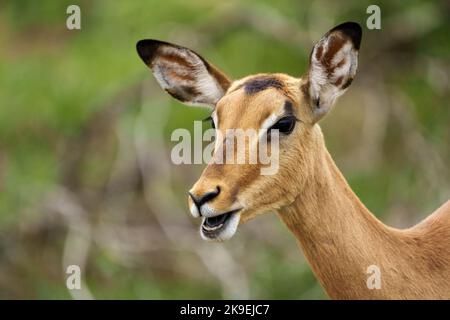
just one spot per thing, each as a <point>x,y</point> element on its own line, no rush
<point>199,201</point>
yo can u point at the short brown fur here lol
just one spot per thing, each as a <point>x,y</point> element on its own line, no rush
<point>339,236</point>
<point>337,233</point>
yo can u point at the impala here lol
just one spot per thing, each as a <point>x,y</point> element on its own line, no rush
<point>339,236</point>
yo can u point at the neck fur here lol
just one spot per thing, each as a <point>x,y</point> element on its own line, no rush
<point>339,236</point>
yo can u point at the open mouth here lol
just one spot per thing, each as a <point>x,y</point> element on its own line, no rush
<point>216,227</point>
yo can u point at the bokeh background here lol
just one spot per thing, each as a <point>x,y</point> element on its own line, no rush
<point>85,171</point>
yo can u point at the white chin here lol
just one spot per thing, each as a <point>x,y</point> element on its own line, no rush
<point>220,232</point>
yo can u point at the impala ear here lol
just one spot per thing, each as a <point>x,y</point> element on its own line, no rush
<point>333,64</point>
<point>184,74</point>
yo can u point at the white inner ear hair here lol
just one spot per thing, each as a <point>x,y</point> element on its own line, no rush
<point>330,76</point>
<point>182,71</point>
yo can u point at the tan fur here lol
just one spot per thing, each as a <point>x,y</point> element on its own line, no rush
<point>341,239</point>
<point>337,233</point>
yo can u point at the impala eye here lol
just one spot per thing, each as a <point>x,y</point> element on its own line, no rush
<point>285,125</point>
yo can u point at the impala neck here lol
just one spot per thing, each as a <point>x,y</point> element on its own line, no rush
<point>339,236</point>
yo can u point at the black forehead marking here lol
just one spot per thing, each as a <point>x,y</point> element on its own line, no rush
<point>288,107</point>
<point>258,84</point>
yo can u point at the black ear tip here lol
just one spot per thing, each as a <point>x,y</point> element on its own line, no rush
<point>146,49</point>
<point>352,30</point>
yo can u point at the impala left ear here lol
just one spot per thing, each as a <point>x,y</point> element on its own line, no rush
<point>332,66</point>
<point>183,73</point>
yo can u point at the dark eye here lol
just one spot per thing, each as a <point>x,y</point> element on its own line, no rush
<point>285,125</point>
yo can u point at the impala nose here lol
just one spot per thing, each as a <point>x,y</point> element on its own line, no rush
<point>202,199</point>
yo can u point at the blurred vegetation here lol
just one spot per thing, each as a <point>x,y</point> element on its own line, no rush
<point>85,172</point>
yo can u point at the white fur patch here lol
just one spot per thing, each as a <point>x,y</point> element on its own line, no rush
<point>328,77</point>
<point>194,211</point>
<point>207,211</point>
<point>173,75</point>
<point>228,231</point>
<point>269,121</point>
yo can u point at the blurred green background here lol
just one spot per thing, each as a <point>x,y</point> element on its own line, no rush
<point>85,171</point>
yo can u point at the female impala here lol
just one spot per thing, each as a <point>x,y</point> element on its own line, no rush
<point>338,235</point>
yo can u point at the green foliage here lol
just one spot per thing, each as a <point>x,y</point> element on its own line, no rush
<point>57,88</point>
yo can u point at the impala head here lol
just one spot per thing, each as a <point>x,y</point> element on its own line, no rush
<point>227,194</point>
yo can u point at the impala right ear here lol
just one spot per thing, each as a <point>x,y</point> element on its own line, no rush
<point>184,74</point>
<point>332,66</point>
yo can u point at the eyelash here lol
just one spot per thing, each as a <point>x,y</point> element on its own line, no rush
<point>290,129</point>
<point>212,121</point>
<point>282,123</point>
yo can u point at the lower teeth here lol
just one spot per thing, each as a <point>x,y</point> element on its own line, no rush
<point>212,228</point>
